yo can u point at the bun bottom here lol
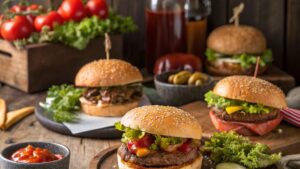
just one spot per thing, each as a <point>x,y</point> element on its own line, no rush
<point>196,164</point>
<point>228,68</point>
<point>112,110</point>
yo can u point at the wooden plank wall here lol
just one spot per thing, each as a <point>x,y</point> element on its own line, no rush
<point>278,19</point>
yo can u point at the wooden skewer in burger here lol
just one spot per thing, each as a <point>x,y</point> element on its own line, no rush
<point>246,104</point>
<point>113,86</point>
<point>233,49</point>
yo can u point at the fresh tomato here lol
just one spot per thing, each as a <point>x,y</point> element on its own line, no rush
<point>98,8</point>
<point>146,141</point>
<point>72,10</point>
<point>18,8</point>
<point>34,7</point>
<point>185,147</point>
<point>50,20</point>
<point>131,145</point>
<point>17,28</point>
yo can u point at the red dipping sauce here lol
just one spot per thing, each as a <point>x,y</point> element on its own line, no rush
<point>32,154</point>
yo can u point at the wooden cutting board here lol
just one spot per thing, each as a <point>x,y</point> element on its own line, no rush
<point>290,136</point>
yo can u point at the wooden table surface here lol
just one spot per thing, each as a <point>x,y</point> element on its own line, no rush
<point>83,150</point>
<point>29,129</point>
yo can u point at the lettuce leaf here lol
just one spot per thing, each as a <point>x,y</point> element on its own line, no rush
<point>221,102</point>
<point>230,147</point>
<point>129,134</point>
<point>246,60</point>
<point>63,102</point>
<point>159,142</point>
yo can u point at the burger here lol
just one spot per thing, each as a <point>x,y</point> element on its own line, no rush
<point>232,50</point>
<point>245,104</point>
<point>159,137</point>
<point>113,87</point>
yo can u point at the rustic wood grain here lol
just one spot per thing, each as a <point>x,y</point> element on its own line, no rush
<point>30,130</point>
<point>269,17</point>
<point>83,150</point>
<point>39,66</point>
<point>293,39</point>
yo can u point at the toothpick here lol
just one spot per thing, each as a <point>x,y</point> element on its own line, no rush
<point>236,14</point>
<point>107,46</point>
<point>257,66</point>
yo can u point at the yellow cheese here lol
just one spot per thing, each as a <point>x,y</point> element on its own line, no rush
<point>233,109</point>
<point>142,152</point>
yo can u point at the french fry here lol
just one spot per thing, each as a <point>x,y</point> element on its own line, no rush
<point>17,115</point>
<point>2,112</point>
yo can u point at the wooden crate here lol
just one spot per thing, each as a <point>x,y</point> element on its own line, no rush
<point>39,66</point>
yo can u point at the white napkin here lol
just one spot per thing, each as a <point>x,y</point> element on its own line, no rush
<point>89,123</point>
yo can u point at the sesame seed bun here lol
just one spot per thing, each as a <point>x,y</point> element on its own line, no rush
<point>196,164</point>
<point>251,89</point>
<point>163,120</point>
<point>231,40</point>
<point>111,110</point>
<point>112,72</point>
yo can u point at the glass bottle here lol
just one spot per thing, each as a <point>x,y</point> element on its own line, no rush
<point>196,12</point>
<point>165,29</point>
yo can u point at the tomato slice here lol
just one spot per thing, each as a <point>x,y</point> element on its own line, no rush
<point>245,128</point>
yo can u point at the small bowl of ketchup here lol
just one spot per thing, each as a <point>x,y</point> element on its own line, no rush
<point>35,155</point>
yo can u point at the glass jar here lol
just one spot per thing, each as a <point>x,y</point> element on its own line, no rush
<point>165,29</point>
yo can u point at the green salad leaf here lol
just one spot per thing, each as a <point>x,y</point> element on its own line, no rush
<point>222,102</point>
<point>159,142</point>
<point>231,147</point>
<point>246,60</point>
<point>79,34</point>
<point>129,134</point>
<point>63,102</point>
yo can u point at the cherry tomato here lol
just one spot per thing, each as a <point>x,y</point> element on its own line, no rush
<point>18,8</point>
<point>33,7</point>
<point>72,10</point>
<point>17,28</point>
<point>146,141</point>
<point>98,8</point>
<point>50,20</point>
<point>185,147</point>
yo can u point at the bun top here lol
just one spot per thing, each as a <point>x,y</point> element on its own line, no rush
<point>230,40</point>
<point>163,120</point>
<point>103,73</point>
<point>251,89</point>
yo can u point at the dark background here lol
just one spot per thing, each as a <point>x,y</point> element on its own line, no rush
<point>278,19</point>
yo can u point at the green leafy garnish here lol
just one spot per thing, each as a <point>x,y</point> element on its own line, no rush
<point>246,60</point>
<point>63,102</point>
<point>230,147</point>
<point>159,142</point>
<point>222,102</point>
<point>129,134</point>
<point>79,34</point>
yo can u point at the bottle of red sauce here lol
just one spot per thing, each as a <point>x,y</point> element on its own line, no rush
<point>165,29</point>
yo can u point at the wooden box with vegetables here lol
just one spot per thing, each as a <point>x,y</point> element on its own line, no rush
<point>38,44</point>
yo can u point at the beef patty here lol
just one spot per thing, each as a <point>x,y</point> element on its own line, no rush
<point>242,116</point>
<point>158,159</point>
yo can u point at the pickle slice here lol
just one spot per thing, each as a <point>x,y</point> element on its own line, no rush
<point>229,166</point>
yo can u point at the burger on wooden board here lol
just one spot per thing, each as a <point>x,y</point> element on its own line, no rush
<point>245,104</point>
<point>159,137</point>
<point>113,86</point>
<point>233,49</point>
